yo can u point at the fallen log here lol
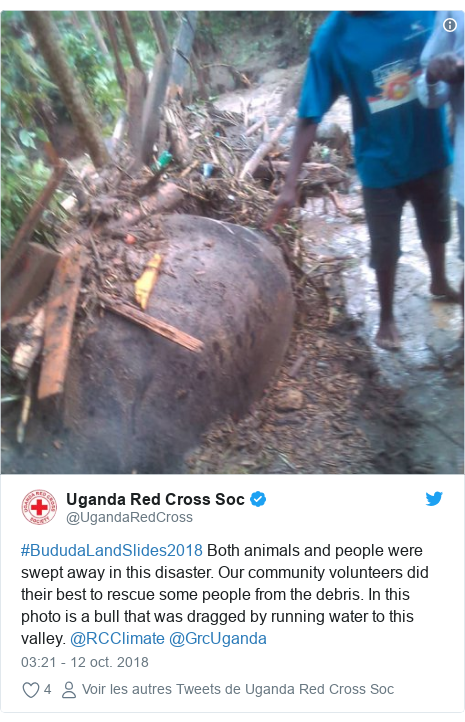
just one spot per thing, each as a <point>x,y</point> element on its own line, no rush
<point>143,319</point>
<point>30,346</point>
<point>32,219</point>
<point>267,146</point>
<point>59,320</point>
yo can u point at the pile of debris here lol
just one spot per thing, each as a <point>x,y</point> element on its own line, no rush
<point>220,165</point>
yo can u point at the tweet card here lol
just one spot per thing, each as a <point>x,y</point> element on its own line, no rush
<point>232,363</point>
<point>326,595</point>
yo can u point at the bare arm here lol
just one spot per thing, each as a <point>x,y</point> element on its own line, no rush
<point>304,138</point>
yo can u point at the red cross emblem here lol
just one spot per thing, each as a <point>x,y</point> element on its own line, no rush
<point>39,507</point>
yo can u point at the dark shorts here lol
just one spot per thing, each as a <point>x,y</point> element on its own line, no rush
<point>429,197</point>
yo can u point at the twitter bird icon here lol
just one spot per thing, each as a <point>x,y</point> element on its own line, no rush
<point>434,499</point>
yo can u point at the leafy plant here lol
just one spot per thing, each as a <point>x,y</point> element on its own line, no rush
<point>25,86</point>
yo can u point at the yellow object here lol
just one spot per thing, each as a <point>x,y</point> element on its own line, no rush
<point>144,285</point>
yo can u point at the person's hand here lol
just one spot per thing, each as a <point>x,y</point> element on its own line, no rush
<point>283,204</point>
<point>447,67</point>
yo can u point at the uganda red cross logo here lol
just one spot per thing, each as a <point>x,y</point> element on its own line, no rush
<point>39,507</point>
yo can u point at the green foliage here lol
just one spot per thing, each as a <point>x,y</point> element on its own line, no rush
<point>303,23</point>
<point>24,85</point>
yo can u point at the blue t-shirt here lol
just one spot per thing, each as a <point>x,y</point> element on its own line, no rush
<point>374,58</point>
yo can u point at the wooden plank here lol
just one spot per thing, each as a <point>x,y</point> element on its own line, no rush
<point>32,219</point>
<point>160,327</point>
<point>59,320</point>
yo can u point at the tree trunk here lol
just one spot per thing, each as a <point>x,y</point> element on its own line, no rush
<point>198,71</point>
<point>108,24</point>
<point>99,37</point>
<point>129,37</point>
<point>46,36</point>
<point>160,33</point>
<point>136,87</point>
<point>181,54</point>
<point>153,105</point>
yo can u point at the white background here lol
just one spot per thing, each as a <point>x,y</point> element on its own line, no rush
<point>423,660</point>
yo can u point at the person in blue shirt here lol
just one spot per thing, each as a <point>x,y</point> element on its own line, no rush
<point>402,150</point>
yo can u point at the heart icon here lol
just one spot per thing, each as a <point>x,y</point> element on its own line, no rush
<point>30,689</point>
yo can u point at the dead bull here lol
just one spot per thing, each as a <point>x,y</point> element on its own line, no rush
<point>135,401</point>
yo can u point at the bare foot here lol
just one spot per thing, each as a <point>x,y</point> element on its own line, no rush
<point>445,293</point>
<point>388,336</point>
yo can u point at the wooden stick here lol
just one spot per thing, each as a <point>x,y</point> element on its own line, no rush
<point>32,219</point>
<point>143,319</point>
<point>253,128</point>
<point>265,147</point>
<point>59,319</point>
<point>25,410</point>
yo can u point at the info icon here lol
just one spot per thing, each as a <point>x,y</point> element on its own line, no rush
<point>39,507</point>
<point>449,25</point>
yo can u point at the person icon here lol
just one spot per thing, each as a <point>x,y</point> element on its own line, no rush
<point>69,694</point>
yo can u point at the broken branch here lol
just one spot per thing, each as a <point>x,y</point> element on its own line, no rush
<point>267,146</point>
